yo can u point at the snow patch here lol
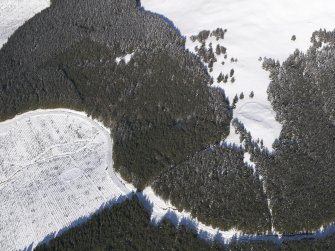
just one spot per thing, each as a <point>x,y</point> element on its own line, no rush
<point>164,209</point>
<point>14,13</point>
<point>126,58</point>
<point>246,159</point>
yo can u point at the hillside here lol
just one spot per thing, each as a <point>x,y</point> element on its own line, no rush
<point>223,125</point>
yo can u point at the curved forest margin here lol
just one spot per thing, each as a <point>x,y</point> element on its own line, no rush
<point>158,104</point>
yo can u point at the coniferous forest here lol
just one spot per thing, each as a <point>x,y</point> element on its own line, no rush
<point>127,226</point>
<point>158,105</point>
<point>167,123</point>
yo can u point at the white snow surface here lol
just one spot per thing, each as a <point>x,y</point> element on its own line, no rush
<point>258,28</point>
<point>56,168</point>
<point>14,13</point>
<point>126,58</point>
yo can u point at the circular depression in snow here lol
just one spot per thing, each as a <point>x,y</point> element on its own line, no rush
<point>71,174</point>
<point>55,168</point>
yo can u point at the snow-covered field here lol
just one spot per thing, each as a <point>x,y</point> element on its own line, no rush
<point>259,28</point>
<point>13,13</point>
<point>56,167</point>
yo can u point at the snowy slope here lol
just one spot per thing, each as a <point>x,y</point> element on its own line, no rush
<point>13,13</point>
<point>259,28</point>
<point>56,167</point>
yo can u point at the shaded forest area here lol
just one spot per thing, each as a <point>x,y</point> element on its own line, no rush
<point>158,105</point>
<point>219,189</point>
<point>126,226</point>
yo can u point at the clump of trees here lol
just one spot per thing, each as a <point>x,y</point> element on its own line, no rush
<point>201,37</point>
<point>208,55</point>
<point>218,33</point>
<point>218,188</point>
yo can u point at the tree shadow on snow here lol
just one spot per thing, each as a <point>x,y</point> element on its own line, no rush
<point>164,18</point>
<point>79,221</point>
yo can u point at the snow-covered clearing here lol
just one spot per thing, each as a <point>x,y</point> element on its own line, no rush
<point>259,28</point>
<point>14,13</point>
<point>56,168</point>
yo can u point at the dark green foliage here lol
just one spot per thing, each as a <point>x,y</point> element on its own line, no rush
<point>127,226</point>
<point>219,189</point>
<point>220,50</point>
<point>235,100</point>
<point>299,174</point>
<point>206,54</point>
<point>158,105</point>
<point>220,78</point>
<point>201,37</point>
<point>218,33</point>
<point>231,74</point>
<point>254,246</point>
<point>327,244</point>
<point>252,94</point>
<point>241,95</point>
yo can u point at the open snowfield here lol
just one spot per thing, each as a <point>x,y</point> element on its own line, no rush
<point>259,28</point>
<point>13,13</point>
<point>56,167</point>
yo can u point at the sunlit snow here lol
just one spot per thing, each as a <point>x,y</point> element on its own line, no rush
<point>260,28</point>
<point>13,14</point>
<point>126,58</point>
<point>56,167</point>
